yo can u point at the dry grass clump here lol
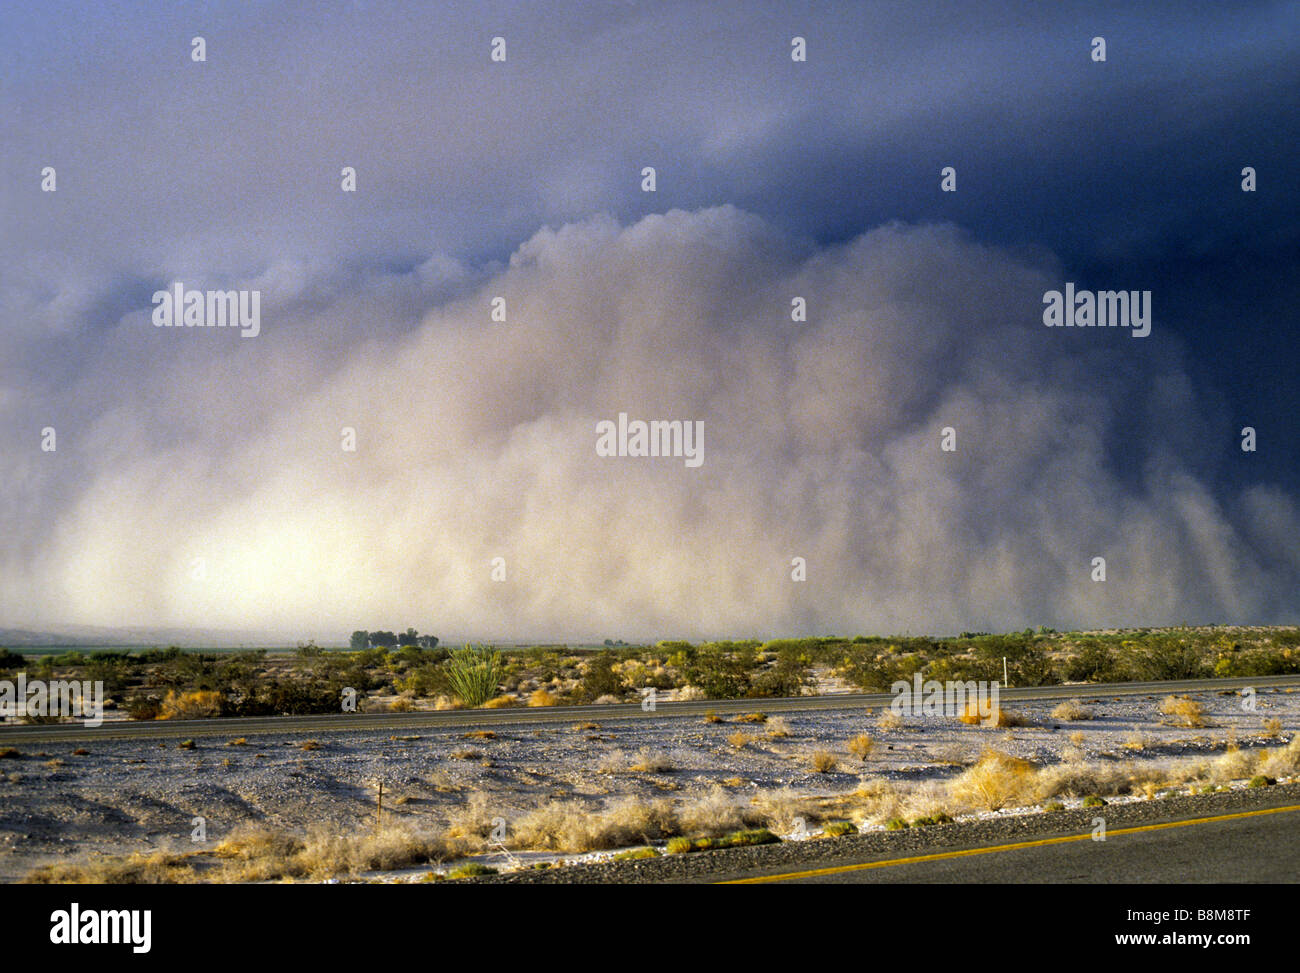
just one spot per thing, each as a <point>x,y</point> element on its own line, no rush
<point>778,809</point>
<point>860,746</point>
<point>197,705</point>
<point>1273,727</point>
<point>996,780</point>
<point>391,848</point>
<point>573,827</point>
<point>1079,779</point>
<point>309,745</point>
<point>402,704</point>
<point>716,813</point>
<point>778,728</point>
<point>752,718</point>
<point>1282,761</point>
<point>889,720</point>
<point>542,697</point>
<point>1182,711</point>
<point>1071,711</point>
<point>741,739</point>
<point>501,702</point>
<point>952,754</point>
<point>257,855</point>
<point>652,762</point>
<point>997,717</point>
<point>1234,764</point>
<point>824,762</point>
<point>155,868</point>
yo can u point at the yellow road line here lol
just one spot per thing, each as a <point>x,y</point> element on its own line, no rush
<point>940,856</point>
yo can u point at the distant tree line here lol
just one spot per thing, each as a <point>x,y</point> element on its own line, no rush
<point>375,640</point>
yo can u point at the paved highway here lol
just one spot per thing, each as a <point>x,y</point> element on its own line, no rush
<point>452,719</point>
<point>1250,846</point>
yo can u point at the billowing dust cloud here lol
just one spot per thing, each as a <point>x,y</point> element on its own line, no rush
<point>212,488</point>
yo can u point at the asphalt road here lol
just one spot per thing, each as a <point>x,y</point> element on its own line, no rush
<point>394,722</point>
<point>1255,846</point>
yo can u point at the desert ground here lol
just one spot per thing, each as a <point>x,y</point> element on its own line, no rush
<point>281,806</point>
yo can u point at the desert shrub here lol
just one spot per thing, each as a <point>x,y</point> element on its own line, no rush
<point>877,675</point>
<point>835,829</point>
<point>1165,657</point>
<point>599,678</point>
<point>652,762</point>
<point>679,846</point>
<point>737,839</point>
<point>860,746</point>
<point>995,781</point>
<point>997,716</point>
<point>541,697</point>
<point>425,680</point>
<point>474,674</point>
<point>939,817</point>
<point>636,854</point>
<point>778,728</point>
<point>1258,662</point>
<point>143,707</point>
<point>719,672</point>
<point>1093,662</point>
<point>889,720</point>
<point>1183,710</point>
<point>824,762</point>
<point>1071,711</point>
<point>471,870</point>
<point>196,705</point>
<point>786,677</point>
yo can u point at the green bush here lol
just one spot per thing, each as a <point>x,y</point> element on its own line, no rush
<point>474,674</point>
<point>835,829</point>
<point>599,678</point>
<point>471,870</point>
<point>1165,657</point>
